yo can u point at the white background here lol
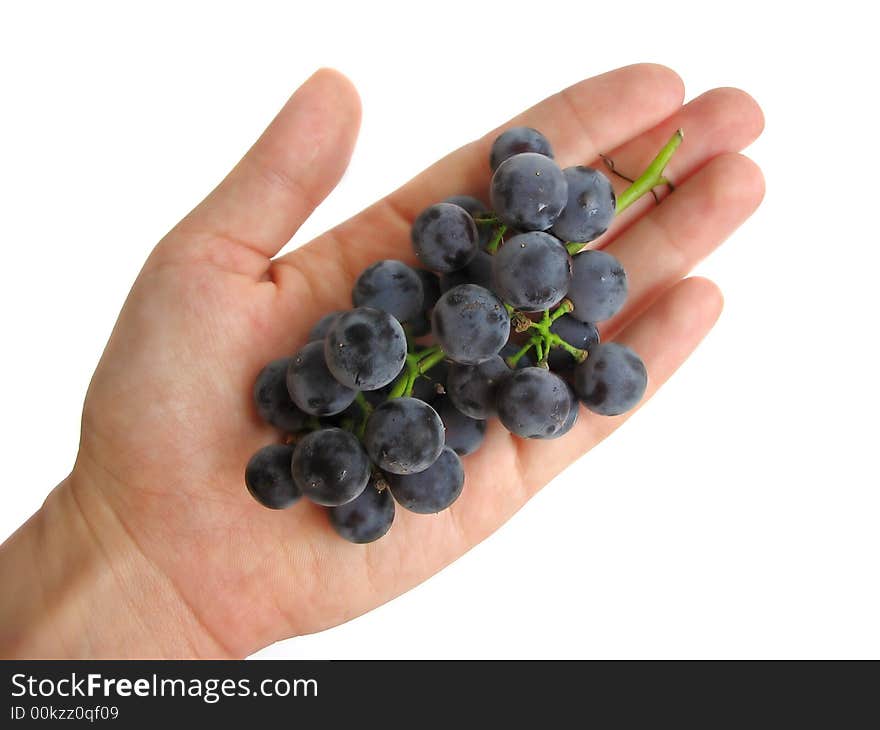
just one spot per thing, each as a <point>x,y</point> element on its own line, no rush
<point>735,516</point>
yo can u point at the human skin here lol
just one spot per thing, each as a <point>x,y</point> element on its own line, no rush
<point>152,547</point>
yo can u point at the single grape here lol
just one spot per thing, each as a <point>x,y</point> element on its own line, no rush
<point>515,141</point>
<point>472,205</point>
<point>311,385</point>
<point>533,402</point>
<point>350,417</point>
<point>582,335</point>
<point>511,348</point>
<point>470,324</point>
<point>391,286</point>
<point>272,399</point>
<point>598,286</point>
<point>420,325</point>
<point>365,348</point>
<point>323,325</point>
<point>528,192</point>
<point>471,388</point>
<point>531,271</point>
<point>464,434</point>
<point>375,397</point>
<point>268,477</point>
<point>432,383</point>
<point>590,207</point>
<point>574,410</point>
<point>444,237</point>
<point>367,517</point>
<point>475,209</point>
<point>611,380</point>
<point>478,271</point>
<point>430,288</point>
<point>404,435</point>
<point>432,490</point>
<point>330,466</point>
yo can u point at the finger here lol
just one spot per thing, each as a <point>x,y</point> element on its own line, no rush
<point>663,336</point>
<point>671,239</point>
<point>290,169</point>
<point>596,114</point>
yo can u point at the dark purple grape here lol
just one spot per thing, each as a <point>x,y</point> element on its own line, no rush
<point>375,397</point>
<point>528,192</point>
<point>612,380</point>
<point>582,335</point>
<point>532,271</point>
<point>404,436</point>
<point>330,467</point>
<point>365,348</point>
<point>323,325</point>
<point>311,385</point>
<point>351,416</point>
<point>472,387</point>
<point>533,402</point>
<point>430,288</point>
<point>444,237</point>
<point>420,325</point>
<point>474,206</point>
<point>366,518</point>
<point>590,207</point>
<point>432,490</point>
<point>475,209</point>
<point>470,324</point>
<point>269,479</point>
<point>391,286</point>
<point>598,286</point>
<point>515,141</point>
<point>478,271</point>
<point>273,401</point>
<point>464,434</point>
<point>574,410</point>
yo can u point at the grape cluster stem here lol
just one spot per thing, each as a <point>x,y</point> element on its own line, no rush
<point>543,339</point>
<point>417,364</point>
<point>493,245</point>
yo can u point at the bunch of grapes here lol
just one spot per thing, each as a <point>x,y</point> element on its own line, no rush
<point>383,401</point>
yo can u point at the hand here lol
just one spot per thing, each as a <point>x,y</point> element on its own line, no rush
<point>153,547</point>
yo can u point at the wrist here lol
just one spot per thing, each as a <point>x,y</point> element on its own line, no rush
<point>75,586</point>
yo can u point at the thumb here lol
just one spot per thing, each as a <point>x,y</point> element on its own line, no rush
<point>291,168</point>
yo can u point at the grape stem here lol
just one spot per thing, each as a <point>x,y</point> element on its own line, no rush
<point>492,248</point>
<point>543,339</point>
<point>644,183</point>
<point>366,410</point>
<point>417,364</point>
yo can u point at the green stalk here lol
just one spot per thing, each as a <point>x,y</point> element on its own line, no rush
<point>496,239</point>
<point>366,410</point>
<point>417,364</point>
<point>517,356</point>
<point>644,183</point>
<point>652,176</point>
<point>543,339</point>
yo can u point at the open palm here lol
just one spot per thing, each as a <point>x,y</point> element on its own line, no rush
<point>169,424</point>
